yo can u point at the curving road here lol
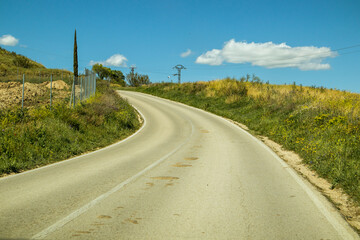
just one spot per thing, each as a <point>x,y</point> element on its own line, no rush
<point>186,174</point>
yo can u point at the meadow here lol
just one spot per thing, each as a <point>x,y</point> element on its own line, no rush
<point>321,125</point>
<point>38,135</point>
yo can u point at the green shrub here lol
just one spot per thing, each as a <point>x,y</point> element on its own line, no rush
<point>39,136</point>
<point>21,61</point>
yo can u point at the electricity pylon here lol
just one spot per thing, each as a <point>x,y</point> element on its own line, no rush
<point>179,67</point>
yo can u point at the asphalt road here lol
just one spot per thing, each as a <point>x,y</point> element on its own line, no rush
<point>186,174</point>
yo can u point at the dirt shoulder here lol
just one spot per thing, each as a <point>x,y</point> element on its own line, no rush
<point>349,210</point>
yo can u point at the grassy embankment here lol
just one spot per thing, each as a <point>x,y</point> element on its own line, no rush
<point>321,125</point>
<point>13,66</point>
<point>39,136</point>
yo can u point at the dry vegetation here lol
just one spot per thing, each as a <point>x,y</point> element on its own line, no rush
<point>322,126</point>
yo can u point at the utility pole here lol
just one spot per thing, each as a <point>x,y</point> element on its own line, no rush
<point>132,69</point>
<point>179,67</point>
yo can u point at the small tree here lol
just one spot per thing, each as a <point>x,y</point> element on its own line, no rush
<point>117,77</point>
<point>106,73</point>
<point>101,71</point>
<point>97,68</point>
<point>136,80</point>
<point>132,80</point>
<point>144,79</point>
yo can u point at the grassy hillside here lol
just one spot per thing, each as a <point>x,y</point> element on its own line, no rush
<point>13,65</point>
<point>321,125</point>
<point>39,136</point>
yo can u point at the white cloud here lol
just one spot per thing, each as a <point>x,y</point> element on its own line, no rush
<point>116,60</point>
<point>186,54</point>
<point>213,57</point>
<point>268,55</point>
<point>8,40</point>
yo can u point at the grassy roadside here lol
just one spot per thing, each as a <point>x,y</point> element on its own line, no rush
<point>39,136</point>
<point>321,125</point>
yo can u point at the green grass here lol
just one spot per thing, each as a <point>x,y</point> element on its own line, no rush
<point>39,136</point>
<point>321,125</point>
<point>12,70</point>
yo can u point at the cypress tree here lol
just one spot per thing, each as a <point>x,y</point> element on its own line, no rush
<point>75,59</point>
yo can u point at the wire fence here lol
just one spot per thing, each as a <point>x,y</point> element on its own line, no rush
<point>83,87</point>
<point>35,75</point>
<point>31,89</point>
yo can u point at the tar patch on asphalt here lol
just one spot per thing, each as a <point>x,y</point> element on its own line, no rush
<point>104,216</point>
<point>132,221</point>
<point>165,178</point>
<point>181,165</point>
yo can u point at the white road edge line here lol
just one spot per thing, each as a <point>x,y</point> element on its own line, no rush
<point>83,209</point>
<point>343,232</point>
<point>337,225</point>
<point>83,155</point>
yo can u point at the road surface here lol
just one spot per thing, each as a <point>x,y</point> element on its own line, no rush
<point>186,174</point>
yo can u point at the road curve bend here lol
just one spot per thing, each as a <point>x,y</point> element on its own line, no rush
<point>187,174</point>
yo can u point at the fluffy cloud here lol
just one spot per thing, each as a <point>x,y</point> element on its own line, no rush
<point>186,54</point>
<point>8,40</point>
<point>269,55</point>
<point>116,60</point>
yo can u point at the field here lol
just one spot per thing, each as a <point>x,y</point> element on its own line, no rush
<point>321,125</point>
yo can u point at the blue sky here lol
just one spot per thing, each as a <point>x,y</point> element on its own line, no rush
<point>279,41</point>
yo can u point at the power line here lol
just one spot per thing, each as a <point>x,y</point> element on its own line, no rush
<point>207,67</point>
<point>353,46</point>
<point>346,53</point>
